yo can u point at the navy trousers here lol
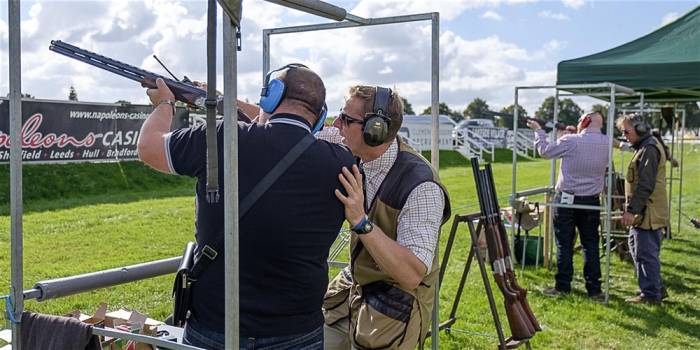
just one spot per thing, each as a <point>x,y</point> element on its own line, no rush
<point>566,220</point>
<point>645,247</point>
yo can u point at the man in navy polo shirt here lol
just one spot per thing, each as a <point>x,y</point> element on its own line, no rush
<point>286,235</point>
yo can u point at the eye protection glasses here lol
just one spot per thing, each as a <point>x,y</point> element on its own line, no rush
<point>347,120</point>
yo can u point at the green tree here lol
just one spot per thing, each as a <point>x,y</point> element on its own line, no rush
<point>123,102</point>
<point>72,95</point>
<point>444,109</point>
<point>407,107</point>
<point>506,121</point>
<point>569,111</point>
<point>476,109</point>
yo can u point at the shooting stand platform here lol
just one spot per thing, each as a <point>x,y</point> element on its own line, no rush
<point>503,342</point>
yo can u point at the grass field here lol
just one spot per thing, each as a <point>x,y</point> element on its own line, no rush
<point>90,228</point>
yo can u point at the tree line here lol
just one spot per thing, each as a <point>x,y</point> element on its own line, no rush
<point>569,112</point>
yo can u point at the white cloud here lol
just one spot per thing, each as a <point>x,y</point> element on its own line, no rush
<point>558,16</point>
<point>449,9</point>
<point>668,18</point>
<point>574,4</point>
<point>492,15</point>
<point>554,45</point>
<point>396,55</point>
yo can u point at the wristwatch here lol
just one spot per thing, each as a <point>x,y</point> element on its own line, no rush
<point>363,227</point>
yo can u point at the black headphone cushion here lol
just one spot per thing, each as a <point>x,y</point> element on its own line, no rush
<point>375,130</point>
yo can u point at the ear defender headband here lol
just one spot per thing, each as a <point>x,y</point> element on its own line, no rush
<point>273,92</point>
<point>375,129</point>
<point>640,125</point>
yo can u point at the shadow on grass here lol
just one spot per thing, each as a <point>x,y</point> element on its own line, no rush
<point>449,159</point>
<point>654,318</point>
<point>684,246</point>
<point>110,198</point>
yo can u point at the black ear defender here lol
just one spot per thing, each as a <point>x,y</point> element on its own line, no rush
<point>375,130</point>
<point>640,125</point>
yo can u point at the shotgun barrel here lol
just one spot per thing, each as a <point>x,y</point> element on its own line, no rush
<point>510,271</point>
<point>183,91</point>
<point>519,324</point>
<point>494,217</point>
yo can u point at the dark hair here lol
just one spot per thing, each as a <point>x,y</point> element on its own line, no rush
<point>305,89</point>
<point>395,112</point>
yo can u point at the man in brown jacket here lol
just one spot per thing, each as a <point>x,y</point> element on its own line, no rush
<point>646,207</point>
<point>395,206</point>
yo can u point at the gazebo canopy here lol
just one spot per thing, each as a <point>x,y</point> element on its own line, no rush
<point>664,64</point>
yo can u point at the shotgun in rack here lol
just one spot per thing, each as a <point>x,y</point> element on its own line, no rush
<point>518,320</point>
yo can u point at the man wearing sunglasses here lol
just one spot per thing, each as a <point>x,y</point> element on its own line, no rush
<point>395,207</point>
<point>584,158</point>
<point>646,208</point>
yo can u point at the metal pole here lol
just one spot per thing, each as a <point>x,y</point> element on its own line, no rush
<point>16,209</point>
<point>514,145</point>
<point>161,343</point>
<point>674,130</point>
<point>230,180</point>
<point>61,287</point>
<point>608,199</point>
<point>435,90</point>
<point>552,176</point>
<point>266,54</point>
<point>314,7</point>
<point>338,25</point>
<point>680,174</point>
<point>435,152</point>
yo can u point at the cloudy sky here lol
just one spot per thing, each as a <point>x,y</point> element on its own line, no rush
<point>486,46</point>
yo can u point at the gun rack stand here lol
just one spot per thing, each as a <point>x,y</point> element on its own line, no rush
<point>503,342</point>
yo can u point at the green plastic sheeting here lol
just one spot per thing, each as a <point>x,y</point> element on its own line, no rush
<point>664,64</point>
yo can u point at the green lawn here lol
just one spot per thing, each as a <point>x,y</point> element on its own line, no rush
<point>86,231</point>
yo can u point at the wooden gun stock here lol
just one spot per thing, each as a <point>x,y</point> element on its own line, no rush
<point>520,327</point>
<point>519,323</point>
<point>503,240</point>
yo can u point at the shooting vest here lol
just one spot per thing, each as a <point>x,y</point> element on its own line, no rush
<point>383,315</point>
<point>655,213</point>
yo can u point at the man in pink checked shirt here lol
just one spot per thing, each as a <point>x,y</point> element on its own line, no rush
<point>584,158</point>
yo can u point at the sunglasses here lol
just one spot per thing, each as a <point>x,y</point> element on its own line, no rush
<point>349,120</point>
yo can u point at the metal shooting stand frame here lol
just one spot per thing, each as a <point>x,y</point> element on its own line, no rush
<point>503,342</point>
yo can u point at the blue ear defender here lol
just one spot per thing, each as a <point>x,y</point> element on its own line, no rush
<point>271,95</point>
<point>273,91</point>
<point>321,120</point>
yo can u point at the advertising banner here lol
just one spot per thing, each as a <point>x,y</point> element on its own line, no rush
<point>69,131</point>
